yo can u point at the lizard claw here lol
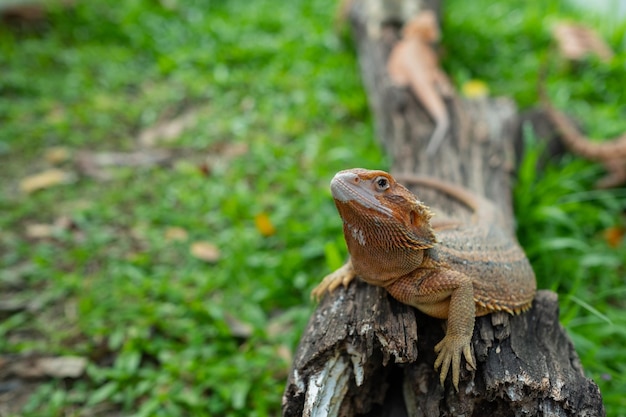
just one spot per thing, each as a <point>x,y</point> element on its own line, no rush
<point>449,352</point>
<point>342,276</point>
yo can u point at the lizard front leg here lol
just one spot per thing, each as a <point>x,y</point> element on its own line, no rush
<point>444,294</point>
<point>342,276</point>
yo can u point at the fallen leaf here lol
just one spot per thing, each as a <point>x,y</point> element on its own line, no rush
<point>43,231</point>
<point>125,159</point>
<point>220,155</point>
<point>176,234</point>
<point>205,251</point>
<point>475,89</point>
<point>576,41</point>
<point>264,224</point>
<point>168,130</point>
<point>614,236</point>
<point>233,150</point>
<point>39,230</point>
<point>64,223</point>
<point>94,164</point>
<point>63,366</point>
<point>45,179</point>
<point>56,367</point>
<point>57,155</point>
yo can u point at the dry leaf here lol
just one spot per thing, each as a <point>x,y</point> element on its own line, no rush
<point>63,366</point>
<point>614,236</point>
<point>45,179</point>
<point>57,155</point>
<point>39,230</point>
<point>124,159</point>
<point>264,224</point>
<point>176,234</point>
<point>233,150</point>
<point>205,251</point>
<point>56,367</point>
<point>168,130</point>
<point>94,164</point>
<point>577,41</point>
<point>42,231</point>
<point>475,89</point>
<point>221,154</point>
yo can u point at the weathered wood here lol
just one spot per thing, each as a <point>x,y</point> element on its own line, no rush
<point>363,353</point>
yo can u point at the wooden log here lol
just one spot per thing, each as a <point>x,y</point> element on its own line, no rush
<point>364,353</point>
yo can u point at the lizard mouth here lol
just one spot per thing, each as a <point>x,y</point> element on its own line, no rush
<point>348,187</point>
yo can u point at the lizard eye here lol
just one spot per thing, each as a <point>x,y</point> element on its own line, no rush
<point>382,183</point>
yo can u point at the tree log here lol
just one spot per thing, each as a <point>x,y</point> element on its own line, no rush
<point>364,353</point>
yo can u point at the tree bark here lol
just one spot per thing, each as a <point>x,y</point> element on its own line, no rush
<point>364,353</point>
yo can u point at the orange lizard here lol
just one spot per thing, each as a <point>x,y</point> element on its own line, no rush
<point>412,62</point>
<point>575,43</point>
<point>447,269</point>
<point>611,154</point>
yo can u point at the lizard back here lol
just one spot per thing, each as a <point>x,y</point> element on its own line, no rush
<point>502,276</point>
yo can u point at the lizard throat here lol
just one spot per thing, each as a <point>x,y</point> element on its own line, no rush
<point>357,234</point>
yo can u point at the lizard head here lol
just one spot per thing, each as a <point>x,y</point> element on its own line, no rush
<point>423,26</point>
<point>383,221</point>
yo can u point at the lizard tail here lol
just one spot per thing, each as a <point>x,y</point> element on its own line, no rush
<point>458,192</point>
<point>612,149</point>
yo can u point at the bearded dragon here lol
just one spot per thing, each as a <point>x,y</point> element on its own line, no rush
<point>412,62</point>
<point>611,154</point>
<point>576,42</point>
<point>448,269</point>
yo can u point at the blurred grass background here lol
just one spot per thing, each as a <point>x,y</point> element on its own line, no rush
<point>278,108</point>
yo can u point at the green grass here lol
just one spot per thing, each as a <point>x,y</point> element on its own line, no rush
<point>160,327</point>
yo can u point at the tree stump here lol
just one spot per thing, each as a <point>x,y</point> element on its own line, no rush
<point>364,353</point>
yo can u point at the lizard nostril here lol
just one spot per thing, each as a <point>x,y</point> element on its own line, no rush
<point>346,177</point>
<point>352,177</point>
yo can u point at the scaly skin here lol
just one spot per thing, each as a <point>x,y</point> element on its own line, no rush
<point>611,153</point>
<point>466,270</point>
<point>412,62</point>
